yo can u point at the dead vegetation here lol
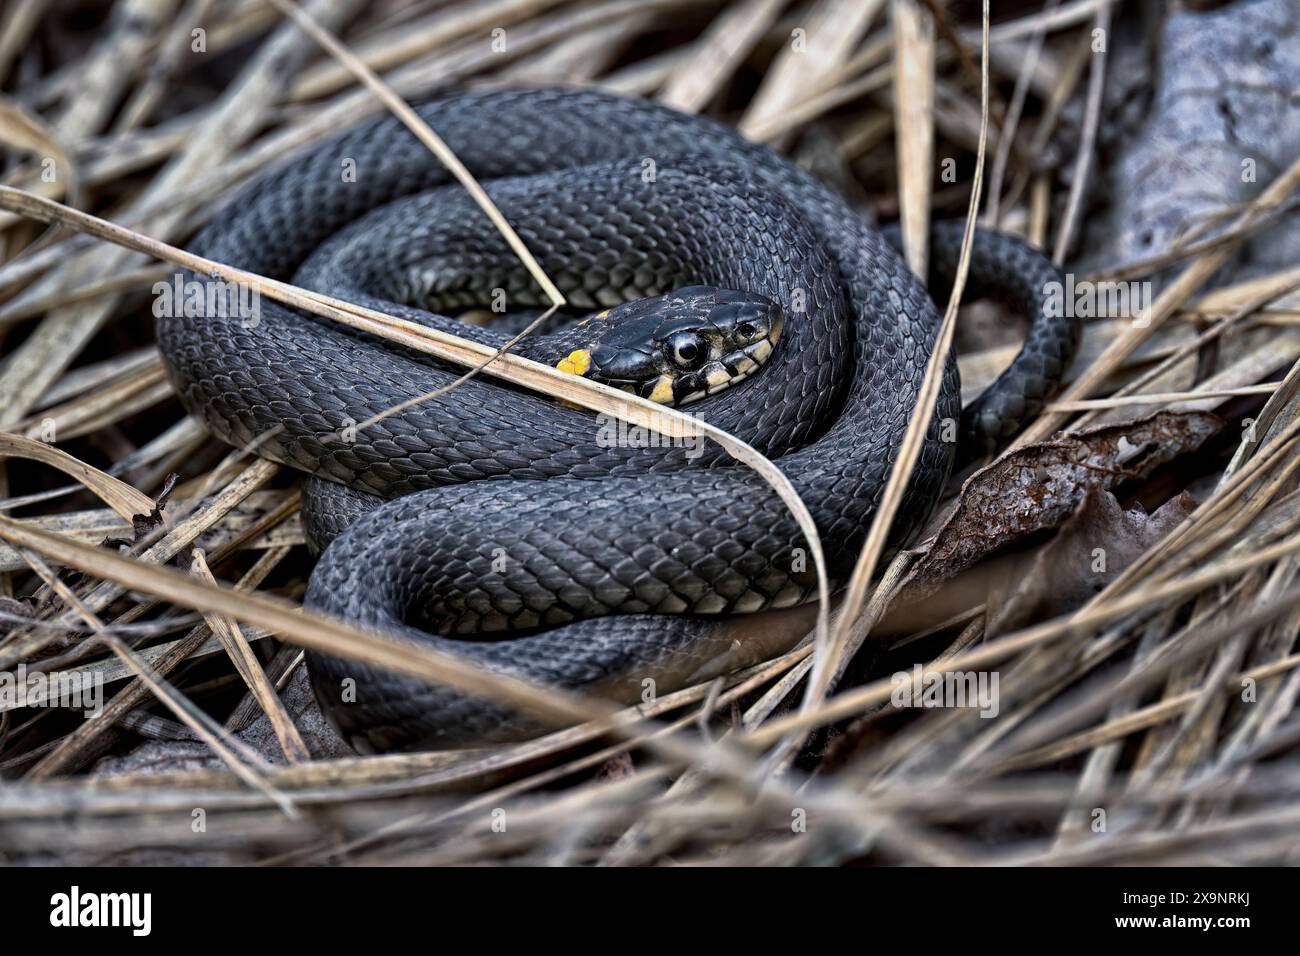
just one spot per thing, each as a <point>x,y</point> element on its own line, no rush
<point>1146,667</point>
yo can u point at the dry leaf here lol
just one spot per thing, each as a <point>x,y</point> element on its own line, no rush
<point>1094,545</point>
<point>1039,486</point>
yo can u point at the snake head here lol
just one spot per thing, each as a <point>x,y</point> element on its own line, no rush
<point>678,348</point>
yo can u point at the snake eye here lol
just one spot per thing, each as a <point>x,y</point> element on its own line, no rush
<point>745,330</point>
<point>685,349</point>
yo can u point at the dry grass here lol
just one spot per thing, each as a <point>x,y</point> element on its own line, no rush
<point>1153,722</point>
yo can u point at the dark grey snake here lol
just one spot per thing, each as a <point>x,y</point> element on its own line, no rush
<point>518,537</point>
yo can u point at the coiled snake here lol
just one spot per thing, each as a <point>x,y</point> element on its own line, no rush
<point>519,535</point>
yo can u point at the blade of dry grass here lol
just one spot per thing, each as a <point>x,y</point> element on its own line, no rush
<point>823,42</point>
<point>1087,143</point>
<point>118,495</point>
<point>830,659</point>
<point>246,663</point>
<point>20,130</point>
<point>718,52</point>
<point>411,120</point>
<point>914,58</point>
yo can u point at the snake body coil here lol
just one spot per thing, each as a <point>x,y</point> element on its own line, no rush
<point>518,536</point>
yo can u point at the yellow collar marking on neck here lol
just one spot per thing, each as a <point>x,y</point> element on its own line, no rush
<point>576,362</point>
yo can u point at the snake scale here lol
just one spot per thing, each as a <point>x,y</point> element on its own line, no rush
<point>495,523</point>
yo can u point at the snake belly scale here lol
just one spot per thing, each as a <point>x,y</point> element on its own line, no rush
<point>496,524</point>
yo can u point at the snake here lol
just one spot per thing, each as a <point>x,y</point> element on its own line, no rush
<point>535,538</point>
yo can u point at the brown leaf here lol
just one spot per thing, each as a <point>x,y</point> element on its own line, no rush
<point>1098,542</point>
<point>1037,487</point>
